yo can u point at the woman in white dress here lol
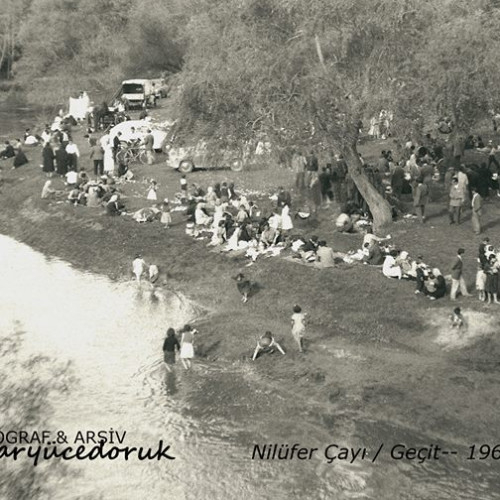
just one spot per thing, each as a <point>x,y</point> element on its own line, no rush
<point>286,220</point>
<point>107,146</point>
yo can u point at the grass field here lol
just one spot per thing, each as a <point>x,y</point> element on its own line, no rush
<point>371,343</point>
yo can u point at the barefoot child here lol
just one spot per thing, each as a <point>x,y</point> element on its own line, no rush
<point>266,343</point>
<point>298,326</point>
<point>152,191</point>
<point>166,217</point>
<point>187,350</point>
<point>457,320</point>
<point>138,267</point>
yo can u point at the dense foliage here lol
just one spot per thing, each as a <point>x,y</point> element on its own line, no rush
<point>292,72</point>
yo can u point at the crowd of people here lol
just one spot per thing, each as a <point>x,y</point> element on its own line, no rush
<point>232,222</point>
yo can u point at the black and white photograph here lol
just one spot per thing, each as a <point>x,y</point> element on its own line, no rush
<point>249,249</point>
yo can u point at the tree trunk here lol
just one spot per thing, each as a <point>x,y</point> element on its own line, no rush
<point>380,209</point>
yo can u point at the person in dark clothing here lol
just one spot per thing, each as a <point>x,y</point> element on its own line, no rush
<point>482,252</point>
<point>116,144</point>
<point>8,151</point>
<point>311,167</point>
<point>397,181</point>
<point>325,181</point>
<point>20,159</point>
<point>48,159</point>
<point>284,198</point>
<point>170,346</point>
<point>483,181</point>
<point>61,161</point>
<point>435,286</point>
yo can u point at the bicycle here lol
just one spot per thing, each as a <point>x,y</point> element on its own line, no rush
<point>131,154</point>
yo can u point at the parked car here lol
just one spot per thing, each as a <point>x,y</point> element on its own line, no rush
<point>186,159</point>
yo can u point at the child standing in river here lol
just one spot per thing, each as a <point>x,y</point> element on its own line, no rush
<point>187,349</point>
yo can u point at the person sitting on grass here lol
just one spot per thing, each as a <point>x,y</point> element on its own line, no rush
<point>325,257</point>
<point>390,269</point>
<point>373,254</point>
<point>371,239</point>
<point>76,196</point>
<point>266,344</point>
<point>435,285</point>
<point>113,206</point>
<point>406,265</point>
<point>201,218</point>
<point>48,191</point>
<point>8,151</point>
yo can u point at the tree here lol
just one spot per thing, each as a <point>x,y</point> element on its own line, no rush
<point>27,386</point>
<point>298,73</point>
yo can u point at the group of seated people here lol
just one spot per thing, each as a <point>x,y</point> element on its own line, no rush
<point>397,264</point>
<point>80,190</point>
<point>232,222</point>
<point>14,151</point>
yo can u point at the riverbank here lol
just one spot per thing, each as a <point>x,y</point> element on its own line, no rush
<point>372,351</point>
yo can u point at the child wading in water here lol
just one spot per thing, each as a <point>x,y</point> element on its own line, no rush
<point>457,320</point>
<point>187,350</point>
<point>298,326</point>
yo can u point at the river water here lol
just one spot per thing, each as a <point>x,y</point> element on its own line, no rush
<point>112,333</point>
<point>212,416</point>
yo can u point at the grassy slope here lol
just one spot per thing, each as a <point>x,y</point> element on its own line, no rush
<point>350,308</point>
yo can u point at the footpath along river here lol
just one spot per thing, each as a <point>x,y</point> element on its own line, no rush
<point>112,333</point>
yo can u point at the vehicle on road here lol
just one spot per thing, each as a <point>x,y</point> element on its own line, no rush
<point>137,93</point>
<point>187,159</point>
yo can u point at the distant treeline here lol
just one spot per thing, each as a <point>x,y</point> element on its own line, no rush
<point>52,48</point>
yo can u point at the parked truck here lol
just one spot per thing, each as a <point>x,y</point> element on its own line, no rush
<point>137,93</point>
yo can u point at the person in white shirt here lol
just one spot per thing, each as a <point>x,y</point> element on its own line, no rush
<point>390,269</point>
<point>73,155</point>
<point>71,178</point>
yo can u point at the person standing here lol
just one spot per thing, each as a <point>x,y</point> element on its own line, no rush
<point>312,168</point>
<point>463,182</point>
<point>477,211</point>
<point>138,266</point>
<point>341,171</point>
<point>170,346</point>
<point>457,279</point>
<point>298,326</point>
<point>397,180</point>
<point>148,146</point>
<point>298,166</point>
<point>97,155</point>
<point>61,160</point>
<point>456,202</point>
<point>73,155</point>
<point>187,349</point>
<point>116,144</point>
<point>420,198</point>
